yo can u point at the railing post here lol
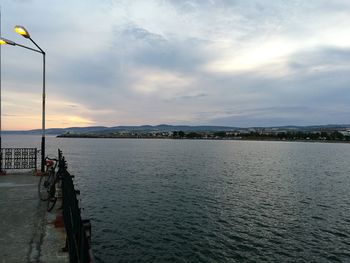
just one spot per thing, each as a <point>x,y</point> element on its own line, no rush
<point>78,230</point>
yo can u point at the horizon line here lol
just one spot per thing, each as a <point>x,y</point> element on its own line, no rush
<point>186,125</point>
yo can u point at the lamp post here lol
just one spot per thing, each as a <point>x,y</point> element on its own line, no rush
<point>23,32</point>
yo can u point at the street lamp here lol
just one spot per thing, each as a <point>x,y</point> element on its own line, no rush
<point>23,32</point>
<point>3,41</point>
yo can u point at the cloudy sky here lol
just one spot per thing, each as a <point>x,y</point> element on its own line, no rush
<point>237,63</point>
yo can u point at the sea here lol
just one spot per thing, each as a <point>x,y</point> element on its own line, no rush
<point>160,200</point>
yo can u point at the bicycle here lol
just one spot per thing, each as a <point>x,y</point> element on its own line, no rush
<point>48,182</point>
<point>47,178</point>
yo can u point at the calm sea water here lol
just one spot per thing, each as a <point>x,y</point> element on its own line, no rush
<point>211,201</point>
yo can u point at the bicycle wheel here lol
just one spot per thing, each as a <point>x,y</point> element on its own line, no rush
<point>43,187</point>
<point>51,201</point>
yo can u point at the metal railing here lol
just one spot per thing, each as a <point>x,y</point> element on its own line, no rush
<point>78,230</point>
<point>18,158</point>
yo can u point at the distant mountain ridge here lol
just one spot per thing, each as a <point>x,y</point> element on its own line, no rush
<point>169,128</point>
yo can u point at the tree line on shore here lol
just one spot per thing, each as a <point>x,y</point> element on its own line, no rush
<point>325,136</point>
<point>234,135</point>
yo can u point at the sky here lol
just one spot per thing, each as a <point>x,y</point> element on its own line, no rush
<point>238,63</point>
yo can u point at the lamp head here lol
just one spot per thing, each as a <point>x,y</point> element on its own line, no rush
<point>4,41</point>
<point>22,31</point>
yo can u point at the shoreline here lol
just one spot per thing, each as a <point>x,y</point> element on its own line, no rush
<point>202,139</point>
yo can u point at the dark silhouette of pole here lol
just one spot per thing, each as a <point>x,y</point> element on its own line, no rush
<point>43,108</point>
<point>43,116</point>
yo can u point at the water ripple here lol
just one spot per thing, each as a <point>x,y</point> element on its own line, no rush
<point>214,201</point>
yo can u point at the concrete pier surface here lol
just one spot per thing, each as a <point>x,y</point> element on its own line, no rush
<point>27,232</point>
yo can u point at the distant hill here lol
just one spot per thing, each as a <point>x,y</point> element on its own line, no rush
<point>57,131</point>
<point>168,128</point>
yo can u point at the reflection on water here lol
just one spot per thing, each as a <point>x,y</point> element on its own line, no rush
<point>212,201</point>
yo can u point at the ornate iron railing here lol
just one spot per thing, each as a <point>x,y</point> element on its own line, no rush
<point>78,230</point>
<point>18,158</point>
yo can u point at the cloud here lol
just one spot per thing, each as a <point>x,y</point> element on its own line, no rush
<point>324,58</point>
<point>196,62</point>
<point>146,49</point>
<point>194,96</point>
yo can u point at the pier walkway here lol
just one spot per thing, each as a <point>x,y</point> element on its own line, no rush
<point>27,232</point>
